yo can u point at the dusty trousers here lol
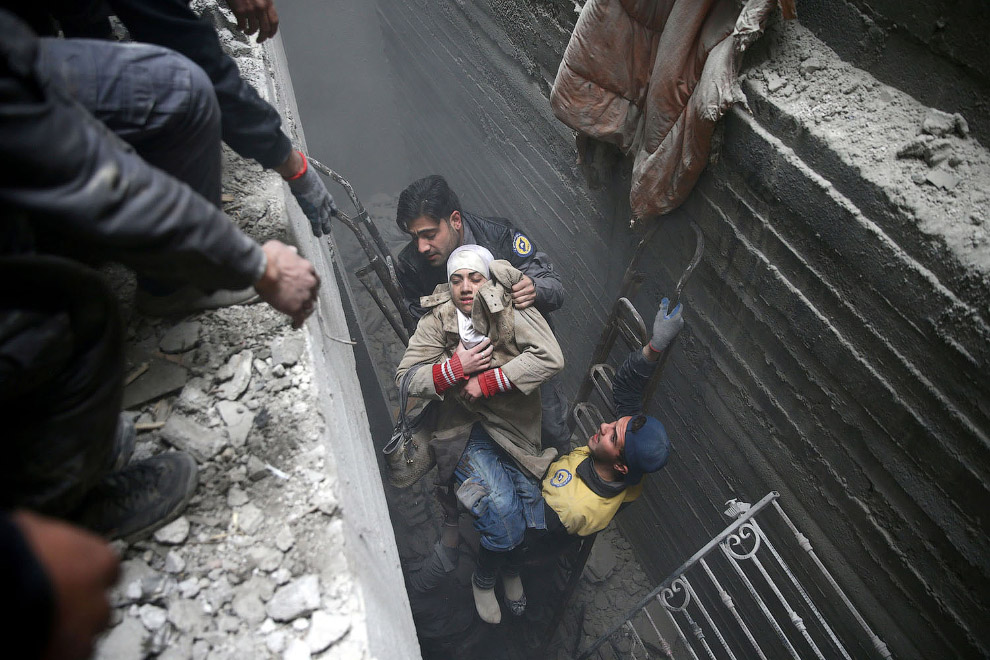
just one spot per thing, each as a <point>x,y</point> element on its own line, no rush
<point>61,381</point>
<point>154,99</point>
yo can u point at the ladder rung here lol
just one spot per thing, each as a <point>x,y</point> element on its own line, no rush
<point>588,418</point>
<point>602,377</point>
<point>630,324</point>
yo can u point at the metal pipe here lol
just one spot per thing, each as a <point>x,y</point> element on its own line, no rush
<point>399,330</point>
<point>377,251</point>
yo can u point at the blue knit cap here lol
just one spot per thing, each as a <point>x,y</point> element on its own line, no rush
<point>646,450</point>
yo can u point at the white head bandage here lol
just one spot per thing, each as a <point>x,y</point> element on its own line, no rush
<point>472,257</point>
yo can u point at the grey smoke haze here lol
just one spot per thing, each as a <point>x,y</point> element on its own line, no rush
<point>344,91</point>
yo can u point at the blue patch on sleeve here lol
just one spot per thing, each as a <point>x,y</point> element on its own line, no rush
<point>521,245</point>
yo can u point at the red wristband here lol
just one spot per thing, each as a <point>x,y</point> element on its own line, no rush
<point>447,374</point>
<point>494,381</point>
<point>304,167</point>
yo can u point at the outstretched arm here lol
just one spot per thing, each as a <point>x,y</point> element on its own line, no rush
<point>635,372</point>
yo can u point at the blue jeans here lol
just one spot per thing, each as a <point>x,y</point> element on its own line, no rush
<point>154,99</point>
<point>512,500</point>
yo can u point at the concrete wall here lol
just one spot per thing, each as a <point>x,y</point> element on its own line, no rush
<point>369,542</point>
<point>834,352</point>
<point>936,51</point>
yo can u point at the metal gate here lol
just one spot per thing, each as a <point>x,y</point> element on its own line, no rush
<point>738,597</point>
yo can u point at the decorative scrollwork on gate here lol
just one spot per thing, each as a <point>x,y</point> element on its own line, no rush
<point>677,588</point>
<point>736,544</point>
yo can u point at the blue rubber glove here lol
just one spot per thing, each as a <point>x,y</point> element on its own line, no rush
<point>666,326</point>
<point>314,199</point>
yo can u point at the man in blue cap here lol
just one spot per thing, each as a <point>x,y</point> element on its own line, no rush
<point>584,489</point>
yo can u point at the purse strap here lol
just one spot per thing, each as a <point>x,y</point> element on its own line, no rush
<point>404,394</point>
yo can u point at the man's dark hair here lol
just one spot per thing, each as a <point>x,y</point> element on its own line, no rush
<point>429,196</point>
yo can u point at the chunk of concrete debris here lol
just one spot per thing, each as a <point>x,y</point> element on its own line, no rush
<point>288,349</point>
<point>298,598</point>
<point>187,616</point>
<point>236,497</point>
<point>933,151</point>
<point>284,539</point>
<point>249,608</point>
<point>152,617</point>
<point>326,502</point>
<point>178,649</point>
<point>325,629</point>
<point>162,377</point>
<point>942,179</point>
<point>249,518</point>
<point>124,641</point>
<point>189,587</point>
<point>186,434</point>
<point>238,419</point>
<point>265,558</point>
<point>180,338</point>
<point>193,398</point>
<point>296,650</point>
<point>940,124</point>
<point>132,571</point>
<point>174,563</point>
<point>256,469</point>
<point>240,368</point>
<point>149,588</point>
<point>810,65</point>
<point>774,82</point>
<point>275,641</point>
<point>601,562</point>
<point>282,576</point>
<point>173,533</point>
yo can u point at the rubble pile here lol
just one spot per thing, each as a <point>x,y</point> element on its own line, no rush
<point>255,566</point>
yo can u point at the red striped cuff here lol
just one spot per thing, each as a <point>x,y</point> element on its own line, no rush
<point>494,381</point>
<point>447,374</point>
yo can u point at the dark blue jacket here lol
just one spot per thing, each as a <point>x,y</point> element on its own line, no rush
<point>418,278</point>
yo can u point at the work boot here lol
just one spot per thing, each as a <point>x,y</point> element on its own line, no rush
<point>486,603</point>
<point>189,299</point>
<point>144,496</point>
<point>123,443</point>
<point>515,597</point>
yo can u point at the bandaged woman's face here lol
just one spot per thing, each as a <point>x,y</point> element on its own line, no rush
<point>464,285</point>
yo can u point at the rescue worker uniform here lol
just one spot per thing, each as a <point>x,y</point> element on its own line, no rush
<point>578,501</point>
<point>418,279</point>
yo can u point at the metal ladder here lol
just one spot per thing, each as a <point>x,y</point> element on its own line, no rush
<point>625,324</point>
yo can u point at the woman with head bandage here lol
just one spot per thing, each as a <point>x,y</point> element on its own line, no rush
<point>467,271</point>
<point>489,360</point>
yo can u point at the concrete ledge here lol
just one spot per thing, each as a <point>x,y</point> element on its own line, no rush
<point>370,543</point>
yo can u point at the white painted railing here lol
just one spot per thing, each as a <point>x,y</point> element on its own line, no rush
<point>779,618</point>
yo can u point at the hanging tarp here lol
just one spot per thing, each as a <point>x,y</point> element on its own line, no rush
<point>653,77</point>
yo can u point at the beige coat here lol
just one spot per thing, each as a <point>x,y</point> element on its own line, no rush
<point>525,349</point>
